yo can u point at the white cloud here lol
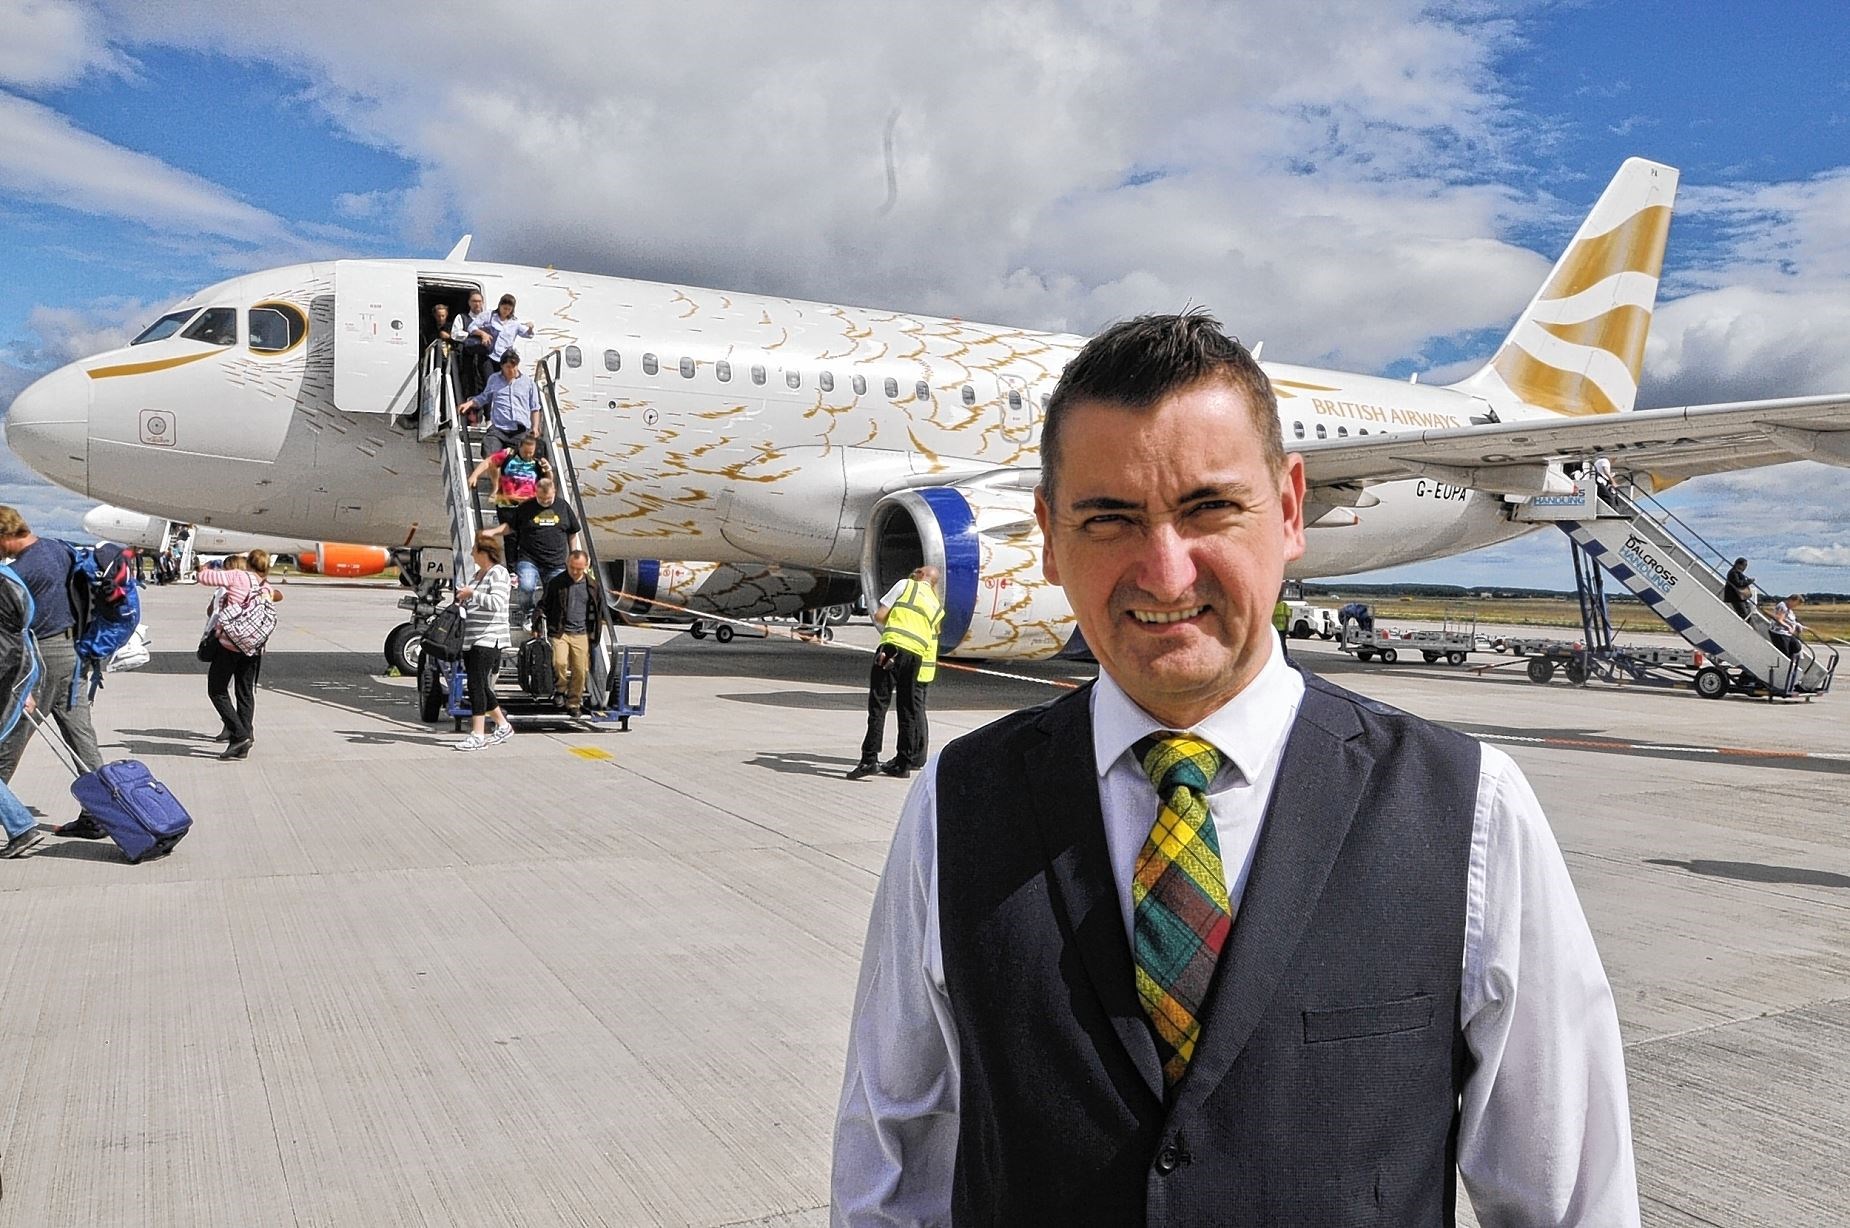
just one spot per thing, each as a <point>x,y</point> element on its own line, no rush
<point>744,146</point>
<point>68,333</point>
<point>1820,556</point>
<point>48,43</point>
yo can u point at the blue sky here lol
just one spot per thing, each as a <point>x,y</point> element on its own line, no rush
<point>1372,186</point>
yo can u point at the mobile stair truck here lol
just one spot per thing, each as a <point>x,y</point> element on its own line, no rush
<point>1679,577</point>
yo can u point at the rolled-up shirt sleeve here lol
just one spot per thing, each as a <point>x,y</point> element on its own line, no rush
<point>896,1128</point>
<point>1545,1134</point>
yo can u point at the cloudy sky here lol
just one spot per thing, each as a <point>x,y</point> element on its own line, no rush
<point>1373,185</point>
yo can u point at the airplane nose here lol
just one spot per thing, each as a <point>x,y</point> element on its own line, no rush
<point>48,427</point>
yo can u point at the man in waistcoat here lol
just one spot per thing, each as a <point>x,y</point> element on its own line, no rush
<point>910,615</point>
<point>1212,941</point>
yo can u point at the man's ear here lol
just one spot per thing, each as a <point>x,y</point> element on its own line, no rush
<point>1291,506</point>
<point>1043,515</point>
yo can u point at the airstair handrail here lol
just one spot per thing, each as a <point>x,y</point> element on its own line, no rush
<point>546,372</point>
<point>1716,559</point>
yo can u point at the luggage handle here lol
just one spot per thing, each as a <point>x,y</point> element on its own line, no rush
<point>57,743</point>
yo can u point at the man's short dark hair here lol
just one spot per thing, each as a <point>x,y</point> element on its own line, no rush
<point>1139,362</point>
<point>508,356</point>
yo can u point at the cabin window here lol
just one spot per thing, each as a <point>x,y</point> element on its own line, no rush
<point>613,361</point>
<point>1342,432</point>
<point>164,327</point>
<point>758,375</point>
<point>687,368</point>
<point>723,369</point>
<point>1361,430</point>
<point>922,390</point>
<point>215,326</point>
<point>860,385</point>
<point>794,378</point>
<point>275,327</point>
<point>969,395</point>
<point>574,357</point>
<point>826,381</point>
<point>892,388</point>
<point>649,365</point>
<point>1297,429</point>
<point>1322,433</point>
<point>1014,399</point>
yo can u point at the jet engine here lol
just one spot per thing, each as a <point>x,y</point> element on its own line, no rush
<point>982,537</point>
<point>343,560</point>
<point>736,590</point>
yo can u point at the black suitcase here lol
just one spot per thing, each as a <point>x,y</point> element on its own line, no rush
<point>536,674</point>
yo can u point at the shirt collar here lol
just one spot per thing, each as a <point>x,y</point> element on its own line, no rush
<point>1245,729</point>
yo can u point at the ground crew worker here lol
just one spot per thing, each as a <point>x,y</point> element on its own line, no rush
<point>909,616</point>
<point>1281,623</point>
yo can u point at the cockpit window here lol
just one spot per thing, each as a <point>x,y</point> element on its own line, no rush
<point>215,326</point>
<point>275,327</point>
<point>165,327</point>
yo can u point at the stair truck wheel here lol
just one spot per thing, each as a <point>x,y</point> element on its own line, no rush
<point>1710,682</point>
<point>1456,658</point>
<point>697,629</point>
<point>1389,656</point>
<point>723,633</point>
<point>404,647</point>
<point>1576,671</point>
<point>1541,669</point>
<point>430,688</point>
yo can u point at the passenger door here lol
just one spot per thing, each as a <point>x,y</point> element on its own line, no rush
<point>375,337</point>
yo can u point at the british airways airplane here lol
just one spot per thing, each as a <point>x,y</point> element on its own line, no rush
<point>807,449</point>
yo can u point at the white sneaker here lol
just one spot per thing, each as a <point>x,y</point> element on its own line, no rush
<point>501,734</point>
<point>472,742</point>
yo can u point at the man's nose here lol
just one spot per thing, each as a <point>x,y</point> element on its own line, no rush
<point>1166,569</point>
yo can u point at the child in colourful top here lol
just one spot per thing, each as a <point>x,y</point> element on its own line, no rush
<point>518,471</point>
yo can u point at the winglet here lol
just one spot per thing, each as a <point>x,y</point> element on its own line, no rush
<point>1579,347</point>
<point>460,252</point>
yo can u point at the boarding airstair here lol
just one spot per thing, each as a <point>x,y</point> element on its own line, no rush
<point>1679,577</point>
<point>177,549</point>
<point>467,508</point>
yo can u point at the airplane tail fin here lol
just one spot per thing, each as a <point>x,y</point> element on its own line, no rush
<point>1579,346</point>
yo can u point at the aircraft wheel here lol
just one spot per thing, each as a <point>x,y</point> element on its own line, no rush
<point>1711,683</point>
<point>430,688</point>
<point>838,614</point>
<point>1576,671</point>
<point>697,629</point>
<point>723,633</point>
<point>404,647</point>
<point>1456,658</point>
<point>1541,669</point>
<point>1389,656</point>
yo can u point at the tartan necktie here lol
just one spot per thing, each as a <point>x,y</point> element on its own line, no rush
<point>1180,911</point>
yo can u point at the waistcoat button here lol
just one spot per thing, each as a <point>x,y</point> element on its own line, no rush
<point>1167,1159</point>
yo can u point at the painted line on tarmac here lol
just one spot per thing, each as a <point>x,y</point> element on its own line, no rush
<point>1623,746</point>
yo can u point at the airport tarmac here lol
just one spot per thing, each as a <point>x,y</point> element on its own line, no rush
<point>604,978</point>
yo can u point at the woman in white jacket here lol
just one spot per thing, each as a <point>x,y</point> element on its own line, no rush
<point>485,635</point>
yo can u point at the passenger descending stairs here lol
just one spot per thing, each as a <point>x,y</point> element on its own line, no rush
<point>178,538</point>
<point>1681,586</point>
<point>468,507</point>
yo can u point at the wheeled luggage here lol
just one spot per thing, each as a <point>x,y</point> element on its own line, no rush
<point>126,801</point>
<point>536,673</point>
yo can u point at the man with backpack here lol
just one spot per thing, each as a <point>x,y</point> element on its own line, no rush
<point>19,672</point>
<point>62,598</point>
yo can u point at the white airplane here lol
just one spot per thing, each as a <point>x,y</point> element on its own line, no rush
<point>812,442</point>
<point>149,533</point>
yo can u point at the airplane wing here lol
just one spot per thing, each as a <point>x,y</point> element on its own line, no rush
<point>1671,444</point>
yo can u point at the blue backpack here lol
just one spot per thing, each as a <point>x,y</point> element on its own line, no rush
<point>19,655</point>
<point>104,585</point>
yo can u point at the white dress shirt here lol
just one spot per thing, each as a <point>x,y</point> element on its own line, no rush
<point>1545,1134</point>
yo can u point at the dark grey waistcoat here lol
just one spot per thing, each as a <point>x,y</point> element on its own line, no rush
<point>1324,1091</point>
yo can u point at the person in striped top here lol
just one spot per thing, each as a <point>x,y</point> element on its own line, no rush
<point>485,635</point>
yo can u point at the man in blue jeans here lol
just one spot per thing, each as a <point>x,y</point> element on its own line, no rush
<point>545,533</point>
<point>19,671</point>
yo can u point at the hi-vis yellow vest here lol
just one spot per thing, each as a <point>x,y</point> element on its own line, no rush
<point>912,623</point>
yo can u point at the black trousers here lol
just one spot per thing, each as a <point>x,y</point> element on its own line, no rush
<point>884,686</point>
<point>230,667</point>
<point>482,662</point>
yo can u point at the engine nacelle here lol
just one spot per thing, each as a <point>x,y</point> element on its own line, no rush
<point>344,560</point>
<point>982,537</point>
<point>736,590</point>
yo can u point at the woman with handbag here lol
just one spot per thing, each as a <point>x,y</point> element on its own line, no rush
<point>486,599</point>
<point>243,616</point>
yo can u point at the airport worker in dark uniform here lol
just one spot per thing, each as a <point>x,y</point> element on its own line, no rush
<point>1738,590</point>
<point>910,615</point>
<point>1212,941</point>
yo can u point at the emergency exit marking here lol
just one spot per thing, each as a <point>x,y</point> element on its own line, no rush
<point>157,428</point>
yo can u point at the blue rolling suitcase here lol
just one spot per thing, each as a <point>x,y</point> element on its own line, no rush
<point>125,800</point>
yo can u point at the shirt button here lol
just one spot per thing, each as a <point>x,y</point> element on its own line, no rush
<point>1167,1159</point>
